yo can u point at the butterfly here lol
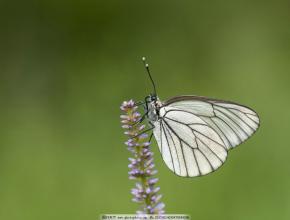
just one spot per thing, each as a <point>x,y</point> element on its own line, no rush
<point>195,133</point>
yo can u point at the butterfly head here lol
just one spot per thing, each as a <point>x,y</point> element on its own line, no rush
<point>153,99</point>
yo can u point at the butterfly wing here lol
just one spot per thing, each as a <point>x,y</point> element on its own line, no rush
<point>194,133</point>
<point>233,122</point>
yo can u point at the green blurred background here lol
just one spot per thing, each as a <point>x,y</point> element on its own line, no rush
<point>66,66</point>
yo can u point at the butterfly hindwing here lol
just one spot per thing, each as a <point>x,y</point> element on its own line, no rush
<point>187,144</point>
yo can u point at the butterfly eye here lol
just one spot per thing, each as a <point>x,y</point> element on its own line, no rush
<point>153,97</point>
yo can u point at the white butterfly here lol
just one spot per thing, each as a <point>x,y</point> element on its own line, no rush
<point>194,133</point>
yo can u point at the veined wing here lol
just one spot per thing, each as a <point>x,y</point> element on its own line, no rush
<point>188,146</point>
<point>233,122</point>
<point>194,133</point>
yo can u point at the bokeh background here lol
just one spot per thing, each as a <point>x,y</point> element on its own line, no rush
<point>65,67</point>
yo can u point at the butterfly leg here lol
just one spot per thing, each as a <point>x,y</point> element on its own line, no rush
<point>142,118</point>
<point>139,103</point>
<point>151,137</point>
<point>144,103</point>
<point>145,131</point>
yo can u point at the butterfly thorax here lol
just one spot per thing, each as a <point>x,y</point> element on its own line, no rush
<point>153,106</point>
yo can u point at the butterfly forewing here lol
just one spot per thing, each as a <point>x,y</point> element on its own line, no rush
<point>194,133</point>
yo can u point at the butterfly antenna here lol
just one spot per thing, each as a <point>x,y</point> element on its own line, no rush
<point>146,65</point>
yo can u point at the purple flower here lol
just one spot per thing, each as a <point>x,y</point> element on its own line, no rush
<point>141,163</point>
